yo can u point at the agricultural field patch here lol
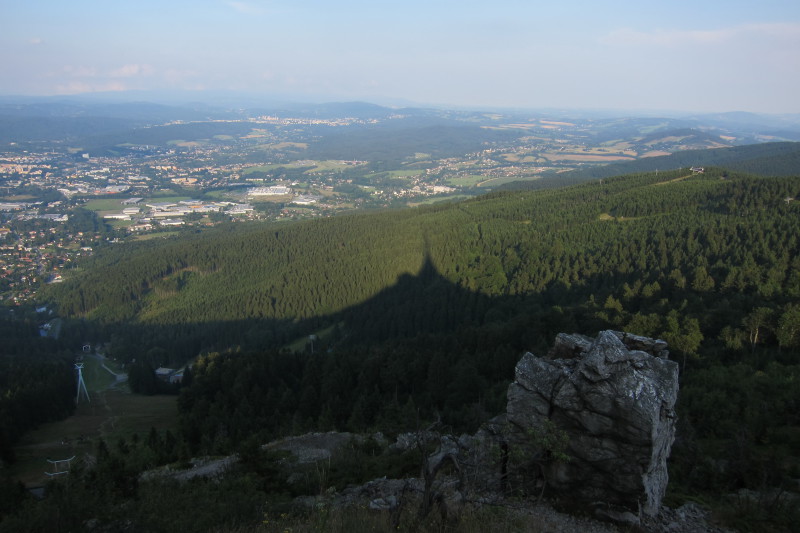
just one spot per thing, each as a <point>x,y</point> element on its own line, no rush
<point>668,139</point>
<point>287,146</point>
<point>501,180</point>
<point>322,166</point>
<point>259,168</point>
<point>18,198</point>
<point>184,144</point>
<point>402,173</point>
<point>104,205</point>
<point>522,158</point>
<point>256,134</point>
<point>596,158</point>
<point>119,224</point>
<point>438,199</point>
<point>270,200</point>
<point>466,181</point>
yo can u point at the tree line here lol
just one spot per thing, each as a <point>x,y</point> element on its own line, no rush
<point>37,382</point>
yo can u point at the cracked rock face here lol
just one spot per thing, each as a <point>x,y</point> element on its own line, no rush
<point>614,397</point>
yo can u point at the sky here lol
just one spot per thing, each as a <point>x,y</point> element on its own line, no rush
<point>647,55</point>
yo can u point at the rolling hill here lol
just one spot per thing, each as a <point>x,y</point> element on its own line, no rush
<point>766,159</point>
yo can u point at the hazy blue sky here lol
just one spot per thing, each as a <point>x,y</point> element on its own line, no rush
<point>693,55</point>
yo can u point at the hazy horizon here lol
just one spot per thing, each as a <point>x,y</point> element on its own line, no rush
<point>620,55</point>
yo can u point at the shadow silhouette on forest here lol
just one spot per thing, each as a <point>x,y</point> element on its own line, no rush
<point>423,304</point>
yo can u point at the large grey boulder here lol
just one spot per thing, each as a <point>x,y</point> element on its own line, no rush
<point>613,398</point>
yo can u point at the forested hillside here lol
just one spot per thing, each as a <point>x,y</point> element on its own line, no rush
<point>422,313</point>
<point>501,248</point>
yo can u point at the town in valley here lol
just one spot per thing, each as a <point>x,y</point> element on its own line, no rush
<point>63,195</point>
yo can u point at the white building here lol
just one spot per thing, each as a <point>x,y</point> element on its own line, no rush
<point>305,200</point>
<point>275,190</point>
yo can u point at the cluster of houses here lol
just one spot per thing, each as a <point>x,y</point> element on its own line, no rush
<point>37,256</point>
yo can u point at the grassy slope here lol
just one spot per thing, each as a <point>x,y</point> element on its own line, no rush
<point>111,413</point>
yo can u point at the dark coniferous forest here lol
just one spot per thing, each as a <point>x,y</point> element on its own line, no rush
<point>377,321</point>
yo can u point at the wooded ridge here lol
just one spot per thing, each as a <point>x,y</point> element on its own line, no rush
<point>377,321</point>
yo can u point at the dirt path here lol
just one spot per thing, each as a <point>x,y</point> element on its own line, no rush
<point>680,178</point>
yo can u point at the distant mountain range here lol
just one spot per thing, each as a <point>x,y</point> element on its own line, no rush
<point>99,124</point>
<point>203,106</point>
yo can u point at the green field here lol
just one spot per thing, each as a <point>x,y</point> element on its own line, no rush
<point>328,164</point>
<point>466,181</point>
<point>119,224</point>
<point>395,174</point>
<point>496,182</point>
<point>114,205</point>
<point>260,168</point>
<point>105,205</point>
<point>111,412</point>
<point>18,198</point>
<point>405,173</point>
<point>187,144</point>
<point>437,199</point>
<point>95,376</point>
<point>226,194</point>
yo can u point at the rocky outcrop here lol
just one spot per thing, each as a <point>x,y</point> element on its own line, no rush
<point>612,400</point>
<point>592,422</point>
<point>312,447</point>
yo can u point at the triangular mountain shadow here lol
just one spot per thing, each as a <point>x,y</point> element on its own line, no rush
<point>426,302</point>
<point>422,303</point>
<point>424,345</point>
